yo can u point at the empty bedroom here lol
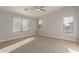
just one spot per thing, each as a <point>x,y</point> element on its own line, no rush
<point>39,29</point>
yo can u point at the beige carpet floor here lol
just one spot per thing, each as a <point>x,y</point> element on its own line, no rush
<point>43,44</point>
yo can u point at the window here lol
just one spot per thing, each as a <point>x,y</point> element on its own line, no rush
<point>68,24</point>
<point>25,25</point>
<point>20,24</point>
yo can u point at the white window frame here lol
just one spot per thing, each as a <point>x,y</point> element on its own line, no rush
<point>71,20</point>
<point>15,19</point>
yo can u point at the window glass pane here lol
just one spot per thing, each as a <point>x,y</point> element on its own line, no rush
<point>25,24</point>
<point>68,24</point>
<point>17,24</point>
<point>20,24</point>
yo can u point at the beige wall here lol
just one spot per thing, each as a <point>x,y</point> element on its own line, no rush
<point>53,23</point>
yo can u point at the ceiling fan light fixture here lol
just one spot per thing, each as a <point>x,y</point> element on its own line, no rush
<point>37,10</point>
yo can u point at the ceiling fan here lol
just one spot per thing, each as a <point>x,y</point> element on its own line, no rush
<point>36,8</point>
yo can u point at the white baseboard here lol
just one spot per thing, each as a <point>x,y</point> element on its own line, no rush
<point>59,37</point>
<point>12,38</point>
<point>39,34</point>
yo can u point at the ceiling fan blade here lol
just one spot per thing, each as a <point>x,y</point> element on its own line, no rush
<point>41,6</point>
<point>43,9</point>
<point>29,8</point>
<point>38,7</point>
<point>25,9</point>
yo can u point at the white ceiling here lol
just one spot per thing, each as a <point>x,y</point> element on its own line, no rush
<point>30,13</point>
